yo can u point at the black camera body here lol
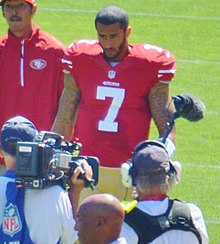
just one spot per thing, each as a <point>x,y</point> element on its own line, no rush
<point>49,161</point>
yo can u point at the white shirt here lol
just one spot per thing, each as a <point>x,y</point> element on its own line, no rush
<point>155,208</point>
<point>48,214</point>
<point>120,240</point>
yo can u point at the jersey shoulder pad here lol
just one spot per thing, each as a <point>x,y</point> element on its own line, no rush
<point>152,53</point>
<point>84,46</point>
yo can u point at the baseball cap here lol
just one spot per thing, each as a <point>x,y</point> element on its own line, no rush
<point>32,2</point>
<point>151,157</point>
<point>16,129</point>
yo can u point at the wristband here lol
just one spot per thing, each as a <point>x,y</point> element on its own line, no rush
<point>170,146</point>
<point>178,168</point>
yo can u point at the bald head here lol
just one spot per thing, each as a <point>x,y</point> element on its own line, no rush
<point>99,219</point>
<point>105,204</point>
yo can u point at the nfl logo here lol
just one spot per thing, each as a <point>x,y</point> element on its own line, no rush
<point>11,222</point>
<point>111,74</point>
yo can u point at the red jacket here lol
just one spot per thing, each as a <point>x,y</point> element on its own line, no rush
<point>31,77</point>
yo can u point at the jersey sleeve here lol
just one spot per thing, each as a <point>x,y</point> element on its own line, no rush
<point>163,61</point>
<point>75,49</point>
<point>67,62</point>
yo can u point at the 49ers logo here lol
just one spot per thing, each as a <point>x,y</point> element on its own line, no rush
<point>11,221</point>
<point>38,64</point>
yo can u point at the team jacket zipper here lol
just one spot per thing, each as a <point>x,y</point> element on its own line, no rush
<point>22,63</point>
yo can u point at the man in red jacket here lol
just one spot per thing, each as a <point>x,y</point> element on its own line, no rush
<point>30,67</point>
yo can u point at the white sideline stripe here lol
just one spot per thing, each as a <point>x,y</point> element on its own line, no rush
<point>68,10</point>
<point>201,166</point>
<point>212,222</point>
<point>144,14</point>
<point>213,113</point>
<point>176,16</point>
<point>198,61</point>
<point>132,13</point>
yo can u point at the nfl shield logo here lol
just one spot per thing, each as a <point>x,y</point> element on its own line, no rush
<point>111,74</point>
<point>11,222</point>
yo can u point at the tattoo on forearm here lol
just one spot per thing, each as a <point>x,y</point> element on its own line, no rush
<point>161,107</point>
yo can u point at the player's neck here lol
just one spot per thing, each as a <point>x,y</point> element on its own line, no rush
<point>124,53</point>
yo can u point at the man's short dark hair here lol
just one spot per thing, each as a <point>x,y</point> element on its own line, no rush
<point>111,15</point>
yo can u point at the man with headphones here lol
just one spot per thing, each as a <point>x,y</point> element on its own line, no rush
<point>154,217</point>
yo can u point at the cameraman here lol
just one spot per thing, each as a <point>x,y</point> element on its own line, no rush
<point>30,215</point>
<point>155,218</point>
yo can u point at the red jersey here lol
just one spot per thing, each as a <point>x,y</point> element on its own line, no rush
<point>114,113</point>
<point>31,78</point>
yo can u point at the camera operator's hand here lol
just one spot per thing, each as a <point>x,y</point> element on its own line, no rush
<point>77,184</point>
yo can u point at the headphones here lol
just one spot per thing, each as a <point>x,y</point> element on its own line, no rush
<point>128,169</point>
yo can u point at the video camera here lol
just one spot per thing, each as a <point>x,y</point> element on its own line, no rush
<point>51,161</point>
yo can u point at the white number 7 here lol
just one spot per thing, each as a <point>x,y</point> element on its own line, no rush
<point>118,94</point>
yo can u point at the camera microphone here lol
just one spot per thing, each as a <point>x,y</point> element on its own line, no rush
<point>189,107</point>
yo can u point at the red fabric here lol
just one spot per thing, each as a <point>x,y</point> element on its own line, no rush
<point>32,2</point>
<point>160,197</point>
<point>38,99</point>
<point>116,96</point>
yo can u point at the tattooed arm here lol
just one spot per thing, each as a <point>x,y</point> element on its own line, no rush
<point>68,108</point>
<point>162,108</point>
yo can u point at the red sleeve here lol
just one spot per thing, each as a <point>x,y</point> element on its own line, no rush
<point>163,61</point>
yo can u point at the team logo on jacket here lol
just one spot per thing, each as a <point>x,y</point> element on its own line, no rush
<point>38,64</point>
<point>11,220</point>
<point>111,74</point>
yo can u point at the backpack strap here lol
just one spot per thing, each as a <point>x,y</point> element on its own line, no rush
<point>14,228</point>
<point>150,227</point>
<point>146,227</point>
<point>180,218</point>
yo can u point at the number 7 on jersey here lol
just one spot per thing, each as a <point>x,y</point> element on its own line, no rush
<point>118,94</point>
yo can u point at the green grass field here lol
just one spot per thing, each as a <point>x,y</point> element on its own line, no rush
<point>190,29</point>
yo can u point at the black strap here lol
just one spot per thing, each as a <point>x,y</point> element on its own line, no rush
<point>150,227</point>
<point>180,218</point>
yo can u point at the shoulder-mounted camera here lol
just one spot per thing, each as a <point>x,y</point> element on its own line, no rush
<point>51,161</point>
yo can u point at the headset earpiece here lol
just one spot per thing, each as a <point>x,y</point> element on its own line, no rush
<point>177,169</point>
<point>125,174</point>
<point>128,171</point>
